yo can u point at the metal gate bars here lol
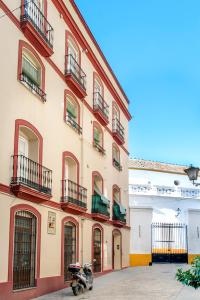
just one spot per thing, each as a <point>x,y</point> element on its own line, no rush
<point>169,243</point>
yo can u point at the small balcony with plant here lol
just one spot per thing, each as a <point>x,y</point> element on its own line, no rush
<point>118,132</point>
<point>75,77</point>
<point>119,214</point>
<point>36,28</point>
<point>100,109</point>
<point>100,208</point>
<point>100,204</point>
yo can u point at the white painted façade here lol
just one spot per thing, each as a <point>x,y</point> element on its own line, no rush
<point>164,213</point>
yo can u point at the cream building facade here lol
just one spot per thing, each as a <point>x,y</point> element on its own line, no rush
<point>64,159</point>
<point>164,214</point>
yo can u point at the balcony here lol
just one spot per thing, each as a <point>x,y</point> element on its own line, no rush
<point>75,77</point>
<point>72,123</point>
<point>118,132</point>
<point>100,109</point>
<point>116,164</point>
<point>30,181</point>
<point>119,215</point>
<point>35,89</point>
<point>37,29</point>
<point>98,147</point>
<point>100,208</point>
<point>74,197</point>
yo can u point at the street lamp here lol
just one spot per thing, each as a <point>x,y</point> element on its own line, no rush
<point>192,173</point>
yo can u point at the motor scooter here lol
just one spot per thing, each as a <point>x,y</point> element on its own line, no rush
<point>81,279</point>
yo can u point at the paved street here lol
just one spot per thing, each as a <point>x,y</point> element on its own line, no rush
<point>141,283</point>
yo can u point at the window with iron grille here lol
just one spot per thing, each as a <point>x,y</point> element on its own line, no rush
<point>69,248</point>
<point>24,250</point>
<point>97,250</point>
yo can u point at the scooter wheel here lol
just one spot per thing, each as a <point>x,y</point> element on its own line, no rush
<point>77,290</point>
<point>91,288</point>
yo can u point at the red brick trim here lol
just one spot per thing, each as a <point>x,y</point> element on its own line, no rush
<point>75,222</point>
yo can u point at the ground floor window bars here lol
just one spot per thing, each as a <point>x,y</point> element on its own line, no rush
<point>69,248</point>
<point>24,250</point>
<point>97,250</point>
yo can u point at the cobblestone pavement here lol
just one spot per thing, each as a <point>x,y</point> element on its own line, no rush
<point>141,283</point>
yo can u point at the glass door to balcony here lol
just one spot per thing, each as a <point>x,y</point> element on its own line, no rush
<point>22,161</point>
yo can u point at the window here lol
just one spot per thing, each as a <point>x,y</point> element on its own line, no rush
<point>24,250</point>
<point>31,70</point>
<point>98,138</point>
<point>116,157</point>
<point>72,113</point>
<point>116,194</point>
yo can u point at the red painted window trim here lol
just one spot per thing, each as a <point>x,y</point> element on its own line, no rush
<point>98,78</point>
<point>25,45</point>
<point>13,211</point>
<point>75,222</point>
<point>68,35</point>
<point>23,123</point>
<point>97,125</point>
<point>96,173</point>
<point>119,232</point>
<point>69,93</point>
<point>96,225</point>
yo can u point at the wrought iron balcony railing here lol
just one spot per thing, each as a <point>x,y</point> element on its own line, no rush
<point>33,86</point>
<point>29,173</point>
<point>98,147</point>
<point>70,120</point>
<point>119,212</point>
<point>99,104</point>
<point>118,128</point>
<point>74,193</point>
<point>33,14</point>
<point>73,68</point>
<point>117,165</point>
<point>100,205</point>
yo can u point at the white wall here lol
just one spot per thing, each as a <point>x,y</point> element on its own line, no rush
<point>140,221</point>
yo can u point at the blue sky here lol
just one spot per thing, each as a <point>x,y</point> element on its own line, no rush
<point>153,46</point>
